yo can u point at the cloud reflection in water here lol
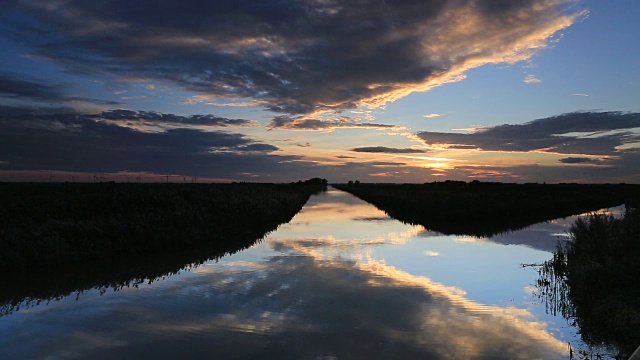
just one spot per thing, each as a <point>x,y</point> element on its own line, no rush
<point>318,293</point>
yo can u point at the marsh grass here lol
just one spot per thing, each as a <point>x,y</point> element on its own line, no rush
<point>57,239</point>
<point>592,280</point>
<point>486,209</point>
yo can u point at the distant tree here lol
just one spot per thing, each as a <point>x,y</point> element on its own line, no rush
<point>350,183</point>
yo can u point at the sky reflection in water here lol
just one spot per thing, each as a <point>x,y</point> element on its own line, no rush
<point>341,279</point>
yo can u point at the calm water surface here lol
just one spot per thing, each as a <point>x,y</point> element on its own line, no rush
<point>341,280</point>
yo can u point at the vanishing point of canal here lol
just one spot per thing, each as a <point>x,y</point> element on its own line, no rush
<point>340,281</point>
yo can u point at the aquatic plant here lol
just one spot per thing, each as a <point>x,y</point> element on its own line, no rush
<point>592,280</point>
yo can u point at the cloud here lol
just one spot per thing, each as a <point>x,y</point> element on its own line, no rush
<point>542,236</point>
<point>76,142</point>
<point>531,79</point>
<point>298,57</point>
<point>588,133</point>
<point>312,296</point>
<point>285,122</point>
<point>576,160</point>
<point>581,95</point>
<point>16,87</point>
<point>257,147</point>
<point>152,117</point>
<point>384,149</point>
<point>599,146</point>
<point>430,116</point>
<point>618,169</point>
<point>306,307</point>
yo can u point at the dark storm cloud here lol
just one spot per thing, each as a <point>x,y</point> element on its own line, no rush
<point>16,87</point>
<point>576,160</point>
<point>389,150</point>
<point>385,163</point>
<point>589,133</point>
<point>286,122</point>
<point>12,85</point>
<point>299,56</point>
<point>151,117</point>
<point>78,142</point>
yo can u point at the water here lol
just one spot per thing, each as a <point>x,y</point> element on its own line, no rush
<point>341,280</point>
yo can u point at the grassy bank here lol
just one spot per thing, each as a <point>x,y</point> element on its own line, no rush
<point>45,225</point>
<point>486,209</point>
<point>60,238</point>
<point>593,280</point>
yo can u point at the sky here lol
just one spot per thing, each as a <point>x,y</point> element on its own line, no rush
<point>279,91</point>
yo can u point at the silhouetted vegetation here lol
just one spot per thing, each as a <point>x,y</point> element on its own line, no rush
<point>593,280</point>
<point>56,239</point>
<point>486,209</point>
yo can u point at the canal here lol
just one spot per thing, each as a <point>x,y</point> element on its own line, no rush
<point>340,281</point>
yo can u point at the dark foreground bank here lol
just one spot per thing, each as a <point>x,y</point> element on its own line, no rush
<point>593,280</point>
<point>486,209</point>
<point>60,238</point>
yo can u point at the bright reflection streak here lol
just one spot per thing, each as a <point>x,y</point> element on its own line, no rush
<point>490,321</point>
<point>330,250</point>
<point>325,285</point>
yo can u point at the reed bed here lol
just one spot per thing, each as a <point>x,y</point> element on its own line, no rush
<point>56,239</point>
<point>592,280</point>
<point>486,209</point>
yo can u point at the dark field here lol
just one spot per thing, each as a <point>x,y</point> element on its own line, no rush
<point>60,238</point>
<point>486,209</point>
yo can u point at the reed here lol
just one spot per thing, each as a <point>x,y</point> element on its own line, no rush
<point>57,239</point>
<point>486,209</point>
<point>593,280</point>
<point>51,225</point>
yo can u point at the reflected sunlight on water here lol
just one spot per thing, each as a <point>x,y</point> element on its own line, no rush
<point>340,280</point>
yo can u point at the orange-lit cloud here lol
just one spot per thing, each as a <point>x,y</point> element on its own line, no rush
<point>243,55</point>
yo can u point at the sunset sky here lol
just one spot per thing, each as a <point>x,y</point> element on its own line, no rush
<point>278,91</point>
